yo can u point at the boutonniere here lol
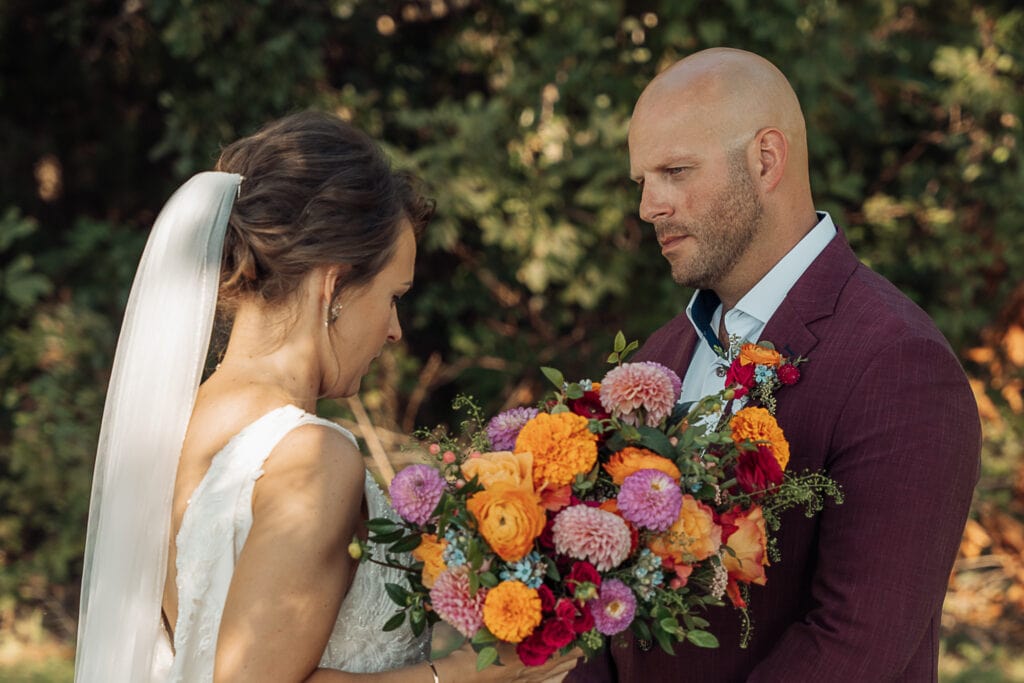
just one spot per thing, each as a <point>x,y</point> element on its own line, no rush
<point>758,370</point>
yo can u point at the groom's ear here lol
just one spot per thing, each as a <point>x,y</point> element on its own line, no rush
<point>772,152</point>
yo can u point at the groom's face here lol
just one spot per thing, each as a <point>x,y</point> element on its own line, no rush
<point>696,191</point>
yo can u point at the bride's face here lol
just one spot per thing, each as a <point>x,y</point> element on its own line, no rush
<point>367,320</point>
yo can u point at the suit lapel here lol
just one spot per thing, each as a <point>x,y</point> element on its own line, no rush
<point>813,297</point>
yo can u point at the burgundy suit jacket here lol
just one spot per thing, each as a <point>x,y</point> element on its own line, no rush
<point>884,407</point>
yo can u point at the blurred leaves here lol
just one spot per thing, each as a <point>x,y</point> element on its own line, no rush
<point>516,114</point>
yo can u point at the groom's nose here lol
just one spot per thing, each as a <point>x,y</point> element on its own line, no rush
<point>654,204</point>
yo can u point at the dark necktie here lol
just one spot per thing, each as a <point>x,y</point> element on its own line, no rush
<point>703,309</point>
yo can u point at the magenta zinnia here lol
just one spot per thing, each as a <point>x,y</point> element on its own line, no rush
<point>614,607</point>
<point>504,427</point>
<point>451,599</point>
<point>627,389</point>
<point>650,499</point>
<point>585,533</point>
<point>415,493</point>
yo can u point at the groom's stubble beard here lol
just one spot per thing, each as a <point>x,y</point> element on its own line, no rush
<point>723,233</point>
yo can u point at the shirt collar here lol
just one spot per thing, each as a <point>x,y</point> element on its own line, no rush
<point>766,296</point>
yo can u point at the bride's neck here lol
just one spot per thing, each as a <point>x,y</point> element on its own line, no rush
<point>272,350</point>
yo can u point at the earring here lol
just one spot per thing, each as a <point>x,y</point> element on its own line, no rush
<point>333,314</point>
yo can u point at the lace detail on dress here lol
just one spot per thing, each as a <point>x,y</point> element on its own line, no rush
<point>358,643</point>
<point>213,531</point>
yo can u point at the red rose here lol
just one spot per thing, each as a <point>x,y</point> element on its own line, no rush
<point>547,599</point>
<point>584,620</point>
<point>788,374</point>
<point>557,633</point>
<point>589,406</point>
<point>742,375</point>
<point>583,572</point>
<point>532,651</point>
<point>758,470</point>
<point>565,610</point>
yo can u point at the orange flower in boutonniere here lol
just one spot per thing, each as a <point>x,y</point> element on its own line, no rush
<point>755,354</point>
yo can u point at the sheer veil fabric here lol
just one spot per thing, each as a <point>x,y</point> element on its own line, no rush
<point>157,369</point>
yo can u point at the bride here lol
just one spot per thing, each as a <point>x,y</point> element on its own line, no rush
<point>221,513</point>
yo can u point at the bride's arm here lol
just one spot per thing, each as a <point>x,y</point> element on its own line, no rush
<point>293,570</point>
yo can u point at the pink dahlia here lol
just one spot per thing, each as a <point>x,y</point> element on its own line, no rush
<point>614,608</point>
<point>627,389</point>
<point>415,493</point>
<point>504,427</point>
<point>585,533</point>
<point>452,601</point>
<point>650,499</point>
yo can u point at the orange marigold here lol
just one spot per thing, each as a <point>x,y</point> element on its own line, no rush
<point>631,459</point>
<point>759,426</point>
<point>562,447</point>
<point>512,610</point>
<point>509,517</point>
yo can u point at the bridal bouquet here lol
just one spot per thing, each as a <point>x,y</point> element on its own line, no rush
<point>609,506</point>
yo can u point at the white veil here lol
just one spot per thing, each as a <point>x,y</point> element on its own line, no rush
<point>157,369</point>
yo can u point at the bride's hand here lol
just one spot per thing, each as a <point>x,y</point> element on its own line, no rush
<point>460,667</point>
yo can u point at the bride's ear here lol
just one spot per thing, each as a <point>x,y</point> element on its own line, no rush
<point>331,279</point>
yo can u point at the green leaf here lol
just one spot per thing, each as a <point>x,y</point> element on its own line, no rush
<point>656,441</point>
<point>620,342</point>
<point>574,391</point>
<point>613,358</point>
<point>702,638</point>
<point>483,637</point>
<point>669,625</point>
<point>405,545</point>
<point>398,595</point>
<point>390,537</point>
<point>641,630</point>
<point>664,640</point>
<point>381,525</point>
<point>489,579</point>
<point>554,376</point>
<point>486,657</point>
<point>394,622</point>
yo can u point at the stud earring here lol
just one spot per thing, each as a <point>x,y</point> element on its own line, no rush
<point>333,313</point>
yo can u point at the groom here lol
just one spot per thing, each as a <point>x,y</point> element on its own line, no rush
<point>718,147</point>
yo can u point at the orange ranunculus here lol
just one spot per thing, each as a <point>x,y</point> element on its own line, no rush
<point>749,545</point>
<point>512,610</point>
<point>693,537</point>
<point>562,447</point>
<point>504,466</point>
<point>760,427</point>
<point>762,355</point>
<point>631,459</point>
<point>509,517</point>
<point>430,552</point>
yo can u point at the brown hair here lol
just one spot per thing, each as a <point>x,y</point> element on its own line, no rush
<point>316,191</point>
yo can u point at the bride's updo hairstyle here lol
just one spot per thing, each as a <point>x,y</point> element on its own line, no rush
<point>316,191</point>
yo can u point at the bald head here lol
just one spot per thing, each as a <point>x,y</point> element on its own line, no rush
<point>737,92</point>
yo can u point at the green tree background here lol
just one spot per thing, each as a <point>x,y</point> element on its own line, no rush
<point>516,113</point>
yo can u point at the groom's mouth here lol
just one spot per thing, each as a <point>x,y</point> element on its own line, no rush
<point>668,242</point>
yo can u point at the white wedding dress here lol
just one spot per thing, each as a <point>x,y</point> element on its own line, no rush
<point>213,531</point>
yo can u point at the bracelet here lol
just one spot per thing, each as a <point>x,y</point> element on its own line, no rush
<point>433,670</point>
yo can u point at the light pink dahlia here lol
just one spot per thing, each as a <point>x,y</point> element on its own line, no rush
<point>585,533</point>
<point>451,600</point>
<point>627,389</point>
<point>650,499</point>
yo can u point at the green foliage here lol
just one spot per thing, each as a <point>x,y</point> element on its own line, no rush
<point>516,113</point>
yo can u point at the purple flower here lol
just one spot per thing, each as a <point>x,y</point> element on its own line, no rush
<point>650,499</point>
<point>504,427</point>
<point>614,607</point>
<point>415,492</point>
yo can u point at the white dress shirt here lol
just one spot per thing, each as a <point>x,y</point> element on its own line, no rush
<point>747,319</point>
